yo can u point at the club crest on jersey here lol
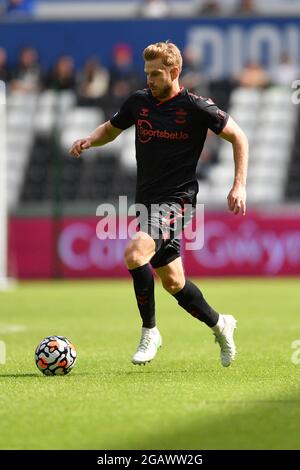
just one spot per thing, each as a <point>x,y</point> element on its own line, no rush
<point>180,116</point>
<point>144,112</point>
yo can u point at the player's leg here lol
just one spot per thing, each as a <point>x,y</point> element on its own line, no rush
<point>137,256</point>
<point>189,296</point>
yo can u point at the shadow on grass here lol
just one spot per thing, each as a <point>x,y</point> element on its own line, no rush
<point>231,425</point>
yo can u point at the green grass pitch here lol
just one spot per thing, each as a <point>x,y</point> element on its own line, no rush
<point>184,399</point>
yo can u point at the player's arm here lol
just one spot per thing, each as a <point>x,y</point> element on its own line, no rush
<point>100,136</point>
<point>237,195</point>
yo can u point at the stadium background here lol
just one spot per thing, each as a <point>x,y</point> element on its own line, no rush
<point>46,187</point>
<point>246,56</point>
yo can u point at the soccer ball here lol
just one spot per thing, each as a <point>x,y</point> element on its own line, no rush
<point>55,355</point>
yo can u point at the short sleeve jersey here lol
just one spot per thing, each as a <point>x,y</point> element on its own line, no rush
<point>169,139</point>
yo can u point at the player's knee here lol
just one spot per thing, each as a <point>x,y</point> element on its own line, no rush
<point>139,251</point>
<point>173,284</point>
<point>133,257</point>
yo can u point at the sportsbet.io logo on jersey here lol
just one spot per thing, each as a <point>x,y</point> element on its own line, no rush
<point>145,133</point>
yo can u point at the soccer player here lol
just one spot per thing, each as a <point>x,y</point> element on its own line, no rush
<point>171,126</point>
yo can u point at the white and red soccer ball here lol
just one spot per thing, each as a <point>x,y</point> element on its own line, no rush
<point>55,355</point>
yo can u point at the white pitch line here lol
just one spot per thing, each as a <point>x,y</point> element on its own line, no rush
<point>7,328</point>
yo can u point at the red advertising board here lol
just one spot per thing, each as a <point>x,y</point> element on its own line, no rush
<point>259,244</point>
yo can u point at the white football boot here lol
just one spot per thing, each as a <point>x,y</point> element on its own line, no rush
<point>223,332</point>
<point>150,342</point>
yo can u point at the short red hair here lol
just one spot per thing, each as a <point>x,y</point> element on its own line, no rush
<point>167,51</point>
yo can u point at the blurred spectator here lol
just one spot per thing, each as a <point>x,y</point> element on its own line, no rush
<point>246,7</point>
<point>93,82</point>
<point>220,91</point>
<point>123,76</point>
<point>27,76</point>
<point>154,9</point>
<point>253,75</point>
<point>285,72</point>
<point>209,7</point>
<point>20,7</point>
<point>191,77</point>
<point>62,77</point>
<point>4,71</point>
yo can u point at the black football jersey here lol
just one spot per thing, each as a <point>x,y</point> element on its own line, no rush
<point>169,139</point>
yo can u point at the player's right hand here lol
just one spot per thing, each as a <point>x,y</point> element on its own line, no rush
<point>79,146</point>
<point>237,199</point>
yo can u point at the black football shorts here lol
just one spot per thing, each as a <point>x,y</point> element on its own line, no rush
<point>165,222</point>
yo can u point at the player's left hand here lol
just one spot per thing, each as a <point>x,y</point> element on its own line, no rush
<point>237,199</point>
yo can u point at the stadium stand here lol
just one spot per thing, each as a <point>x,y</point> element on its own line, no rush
<point>43,122</point>
<point>176,8</point>
<point>47,123</point>
<point>101,9</point>
<point>293,183</point>
<point>269,119</point>
<point>57,123</point>
<point>20,136</point>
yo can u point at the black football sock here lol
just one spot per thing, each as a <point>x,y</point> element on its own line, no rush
<point>144,291</point>
<point>192,300</point>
